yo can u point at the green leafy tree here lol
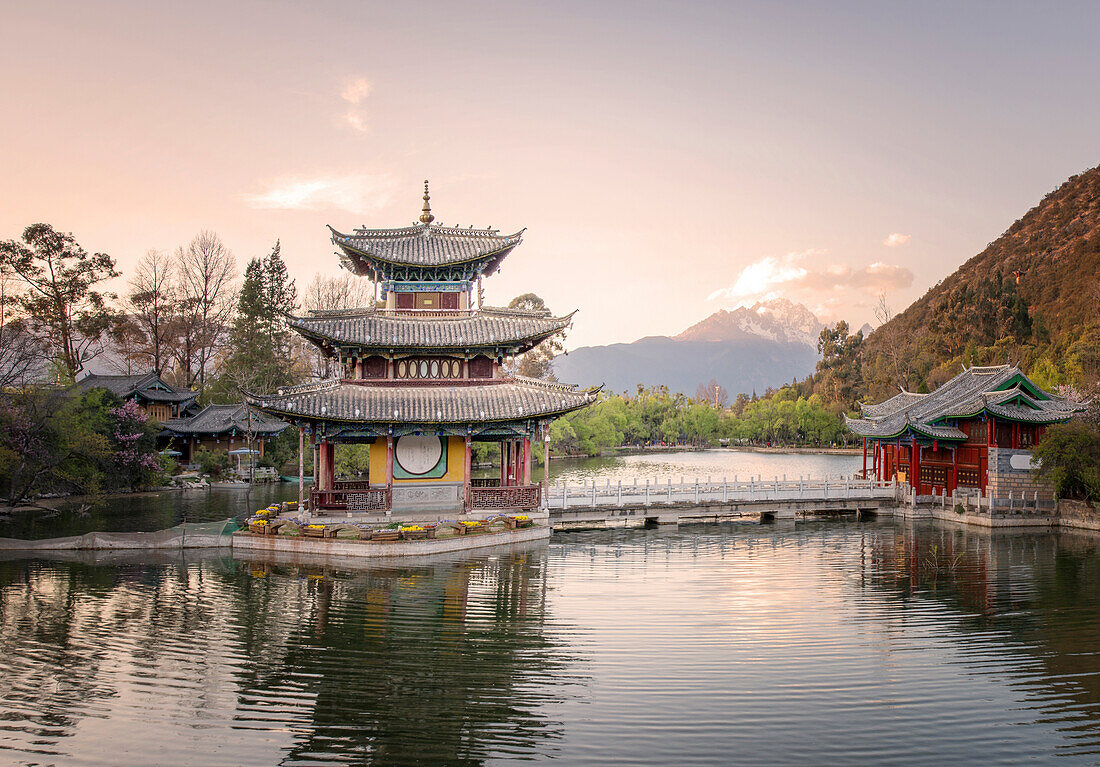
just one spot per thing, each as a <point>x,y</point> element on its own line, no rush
<point>538,362</point>
<point>61,303</point>
<point>1069,457</point>
<point>215,463</point>
<point>839,376</point>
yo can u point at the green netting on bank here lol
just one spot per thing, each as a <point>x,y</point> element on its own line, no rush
<point>191,535</point>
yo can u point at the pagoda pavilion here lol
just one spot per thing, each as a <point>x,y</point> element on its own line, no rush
<point>973,432</point>
<point>422,376</point>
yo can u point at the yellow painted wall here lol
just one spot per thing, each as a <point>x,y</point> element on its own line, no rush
<point>456,463</point>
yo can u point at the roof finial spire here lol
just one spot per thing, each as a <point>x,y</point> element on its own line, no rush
<point>426,216</point>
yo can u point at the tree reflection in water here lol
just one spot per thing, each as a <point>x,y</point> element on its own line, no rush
<point>439,662</point>
<point>1038,590</point>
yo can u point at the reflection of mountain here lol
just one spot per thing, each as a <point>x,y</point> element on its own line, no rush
<point>767,344</point>
<point>442,663</point>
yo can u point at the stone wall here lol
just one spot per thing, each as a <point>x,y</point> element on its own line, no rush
<point>1010,472</point>
<point>1079,514</point>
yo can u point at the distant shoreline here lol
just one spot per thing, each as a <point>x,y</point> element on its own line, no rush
<point>660,449</point>
<point>806,450</point>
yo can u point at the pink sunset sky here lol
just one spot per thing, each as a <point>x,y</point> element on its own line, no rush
<point>667,159</point>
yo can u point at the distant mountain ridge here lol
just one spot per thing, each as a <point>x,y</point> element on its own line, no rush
<point>778,320</point>
<point>744,349</point>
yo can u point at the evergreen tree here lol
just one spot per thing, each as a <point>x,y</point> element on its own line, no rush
<point>260,355</point>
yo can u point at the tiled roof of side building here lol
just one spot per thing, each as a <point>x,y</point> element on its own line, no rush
<point>149,385</point>
<point>498,401</point>
<point>996,390</point>
<point>386,330</point>
<point>219,419</point>
<point>425,245</point>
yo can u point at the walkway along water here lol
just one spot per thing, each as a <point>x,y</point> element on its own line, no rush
<point>592,505</point>
<point>589,505</point>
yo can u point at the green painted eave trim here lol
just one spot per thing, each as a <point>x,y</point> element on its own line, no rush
<point>1024,382</point>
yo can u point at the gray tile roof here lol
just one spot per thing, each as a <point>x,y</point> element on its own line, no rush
<point>372,328</point>
<point>994,390</point>
<point>219,419</point>
<point>507,400</point>
<point>422,245</point>
<point>146,385</point>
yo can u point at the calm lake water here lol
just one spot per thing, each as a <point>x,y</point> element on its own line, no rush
<point>815,643</point>
<point>156,511</point>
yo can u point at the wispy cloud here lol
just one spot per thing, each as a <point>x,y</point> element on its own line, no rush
<point>759,280</point>
<point>896,239</point>
<point>355,92</point>
<point>827,288</point>
<point>356,119</point>
<point>356,193</point>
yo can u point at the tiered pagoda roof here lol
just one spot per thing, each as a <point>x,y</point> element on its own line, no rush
<point>390,403</point>
<point>1002,391</point>
<point>509,331</point>
<point>424,250</point>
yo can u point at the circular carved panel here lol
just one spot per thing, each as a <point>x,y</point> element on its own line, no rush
<point>418,454</point>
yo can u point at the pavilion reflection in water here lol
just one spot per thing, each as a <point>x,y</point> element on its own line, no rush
<point>408,662</point>
<point>443,662</point>
<point>1036,592</point>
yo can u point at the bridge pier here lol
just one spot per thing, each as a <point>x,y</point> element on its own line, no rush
<point>638,515</point>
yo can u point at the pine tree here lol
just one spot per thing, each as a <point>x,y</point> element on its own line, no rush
<point>260,356</point>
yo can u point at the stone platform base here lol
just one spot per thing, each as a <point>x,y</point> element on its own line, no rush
<point>538,516</point>
<point>338,549</point>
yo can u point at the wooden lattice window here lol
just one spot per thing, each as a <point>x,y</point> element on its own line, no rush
<point>933,475</point>
<point>1027,436</point>
<point>968,477</point>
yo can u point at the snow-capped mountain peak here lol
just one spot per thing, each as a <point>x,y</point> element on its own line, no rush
<point>777,320</point>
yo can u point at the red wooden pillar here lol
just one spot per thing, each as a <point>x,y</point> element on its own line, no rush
<point>389,465</point>
<point>1015,436</point>
<point>513,455</point>
<point>989,432</point>
<point>864,458</point>
<point>322,467</point>
<point>526,460</point>
<point>953,479</point>
<point>914,466</point>
<point>330,465</point>
<point>301,467</point>
<point>503,463</point>
<point>545,460</point>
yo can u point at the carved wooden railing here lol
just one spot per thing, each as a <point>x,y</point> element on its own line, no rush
<point>352,484</point>
<point>515,497</point>
<point>364,499</point>
<point>485,482</point>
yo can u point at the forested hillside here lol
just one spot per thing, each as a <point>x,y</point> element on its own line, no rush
<point>1031,297</point>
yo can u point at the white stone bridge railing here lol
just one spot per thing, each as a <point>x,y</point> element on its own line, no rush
<point>593,494</point>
